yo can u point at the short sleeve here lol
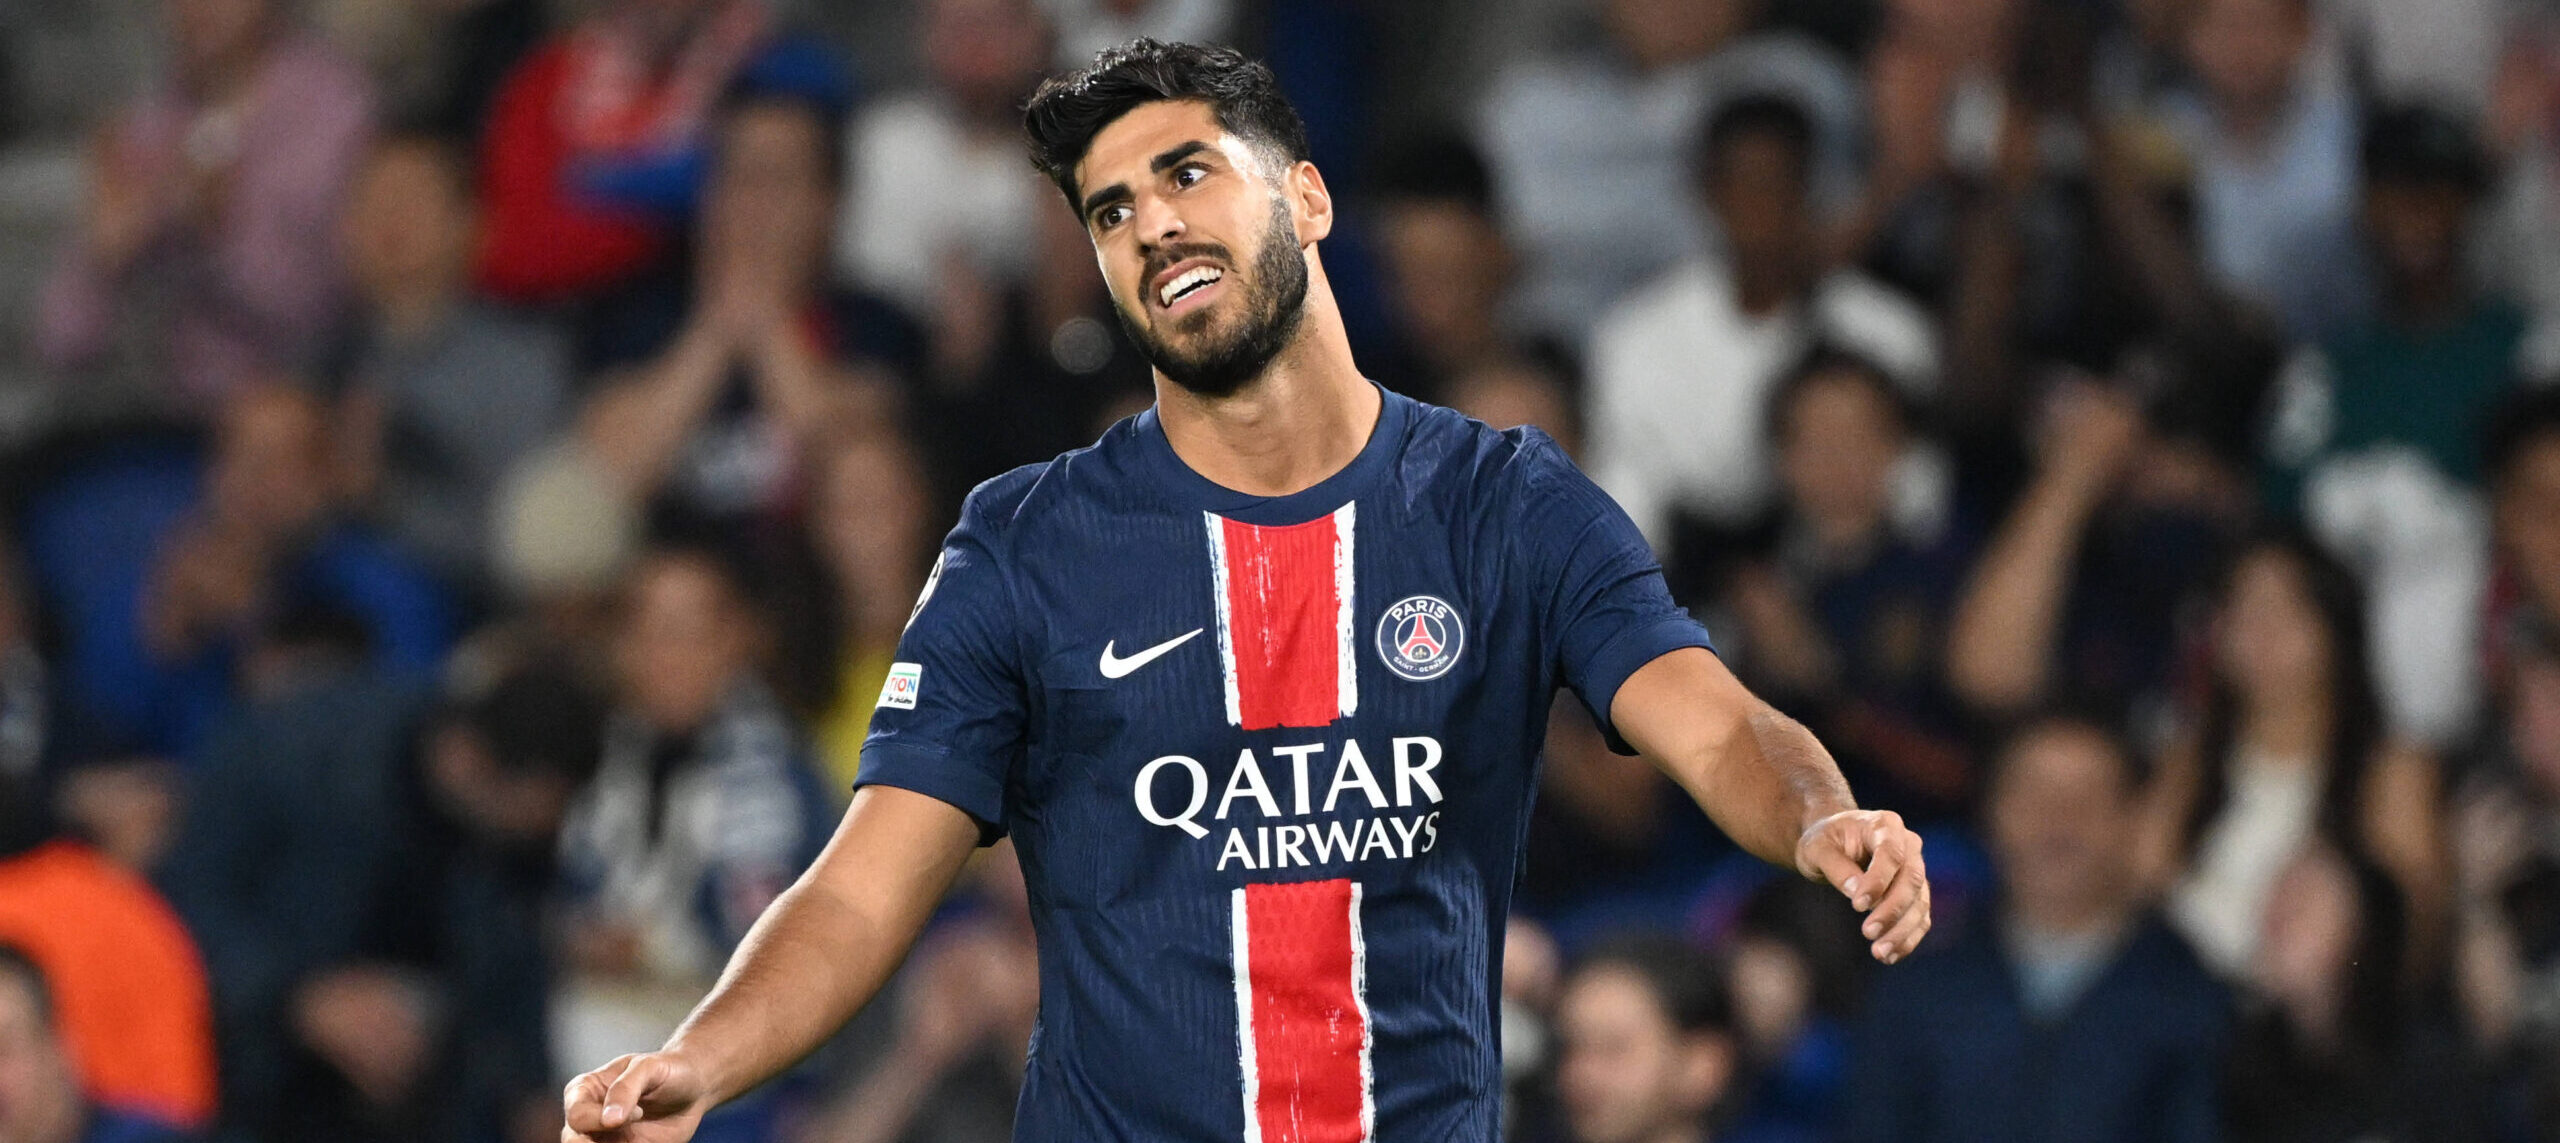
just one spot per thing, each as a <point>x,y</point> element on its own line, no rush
<point>949,719</point>
<point>1598,593</point>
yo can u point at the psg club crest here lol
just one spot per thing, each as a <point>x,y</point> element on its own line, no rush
<point>1420,637</point>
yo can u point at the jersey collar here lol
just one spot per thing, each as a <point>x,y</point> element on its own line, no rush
<point>1192,490</point>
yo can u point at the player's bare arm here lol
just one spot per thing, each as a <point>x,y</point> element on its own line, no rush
<point>811,962</point>
<point>1772,787</point>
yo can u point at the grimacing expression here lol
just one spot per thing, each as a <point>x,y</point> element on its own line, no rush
<point>1200,247</point>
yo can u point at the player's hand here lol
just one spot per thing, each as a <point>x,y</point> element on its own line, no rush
<point>1874,860</point>
<point>652,1098</point>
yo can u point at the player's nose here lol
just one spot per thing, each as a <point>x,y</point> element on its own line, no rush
<point>1158,223</point>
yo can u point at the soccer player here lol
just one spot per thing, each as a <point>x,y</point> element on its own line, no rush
<point>1256,683</point>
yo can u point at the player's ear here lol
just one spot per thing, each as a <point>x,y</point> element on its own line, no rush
<point>1310,204</point>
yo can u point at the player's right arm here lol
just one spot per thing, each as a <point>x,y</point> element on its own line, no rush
<point>813,960</point>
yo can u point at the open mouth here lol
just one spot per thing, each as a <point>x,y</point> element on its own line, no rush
<point>1189,289</point>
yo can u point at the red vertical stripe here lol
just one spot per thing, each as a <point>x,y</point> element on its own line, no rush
<point>1283,610</point>
<point>1310,1031</point>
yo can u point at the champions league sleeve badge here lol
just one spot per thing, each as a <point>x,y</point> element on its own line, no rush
<point>1420,637</point>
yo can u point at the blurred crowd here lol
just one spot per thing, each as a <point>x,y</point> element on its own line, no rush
<point>488,450</point>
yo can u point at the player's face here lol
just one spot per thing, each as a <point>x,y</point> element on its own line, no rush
<point>1627,1074</point>
<point>1200,240</point>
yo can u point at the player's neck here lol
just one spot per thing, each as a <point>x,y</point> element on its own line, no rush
<point>1306,418</point>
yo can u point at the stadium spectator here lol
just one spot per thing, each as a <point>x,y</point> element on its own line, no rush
<point>1448,268</point>
<point>2337,1046</point>
<point>1934,86</point>
<point>2142,62</point>
<point>2074,1013</point>
<point>2447,52</point>
<point>2506,951</point>
<point>1022,370</point>
<point>2376,433</point>
<point>1795,970</point>
<point>2060,235</point>
<point>2523,462</point>
<point>369,880</point>
<point>595,145</point>
<point>730,378</point>
<point>40,1098</point>
<point>1085,27</point>
<point>1590,145</point>
<point>205,258</point>
<point>1843,622</point>
<point>1510,392</point>
<point>702,810</point>
<point>2289,745</point>
<point>871,519</point>
<point>939,201</point>
<point>2082,594</point>
<point>965,1005</point>
<point>1681,370</point>
<point>168,578</point>
<point>439,394</point>
<point>2273,137</point>
<point>127,996</point>
<point>1646,1044</point>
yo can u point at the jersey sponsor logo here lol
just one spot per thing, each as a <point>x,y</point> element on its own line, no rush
<point>898,691</point>
<point>1266,807</point>
<point>1302,1013</point>
<point>1285,628</point>
<point>1115,667</point>
<point>1421,637</point>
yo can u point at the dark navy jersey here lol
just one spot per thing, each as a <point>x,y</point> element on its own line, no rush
<point>1268,763</point>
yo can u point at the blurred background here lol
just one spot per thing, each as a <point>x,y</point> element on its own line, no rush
<point>465,464</point>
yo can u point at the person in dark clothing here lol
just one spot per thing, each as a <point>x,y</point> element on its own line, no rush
<point>2075,1014</point>
<point>1647,1045</point>
<point>718,383</point>
<point>2336,1046</point>
<point>40,1100</point>
<point>1845,617</point>
<point>368,877</point>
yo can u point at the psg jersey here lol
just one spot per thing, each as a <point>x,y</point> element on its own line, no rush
<point>1267,763</point>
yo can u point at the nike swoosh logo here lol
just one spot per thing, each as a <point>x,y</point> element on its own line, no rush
<point>1114,666</point>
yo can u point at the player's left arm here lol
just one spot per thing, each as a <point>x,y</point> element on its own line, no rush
<point>1772,787</point>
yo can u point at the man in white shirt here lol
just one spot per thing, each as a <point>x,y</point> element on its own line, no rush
<point>1681,370</point>
<point>1587,145</point>
<point>938,198</point>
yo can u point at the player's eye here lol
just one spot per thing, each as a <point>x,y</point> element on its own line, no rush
<point>1110,216</point>
<point>1188,174</point>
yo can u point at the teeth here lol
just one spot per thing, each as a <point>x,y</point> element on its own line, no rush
<point>1195,276</point>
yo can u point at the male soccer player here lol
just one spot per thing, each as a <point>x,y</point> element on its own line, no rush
<point>1256,683</point>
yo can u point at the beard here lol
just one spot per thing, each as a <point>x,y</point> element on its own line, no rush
<point>1217,362</point>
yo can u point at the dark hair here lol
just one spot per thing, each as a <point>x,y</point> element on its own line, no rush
<point>1687,983</point>
<point>1436,165</point>
<point>541,718</point>
<point>1067,111</point>
<point>2355,729</point>
<point>2421,144</point>
<point>1806,917</point>
<point>14,961</point>
<point>826,110</point>
<point>1821,363</point>
<point>1774,116</point>
<point>454,155</point>
<point>2133,768</point>
<point>2527,418</point>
